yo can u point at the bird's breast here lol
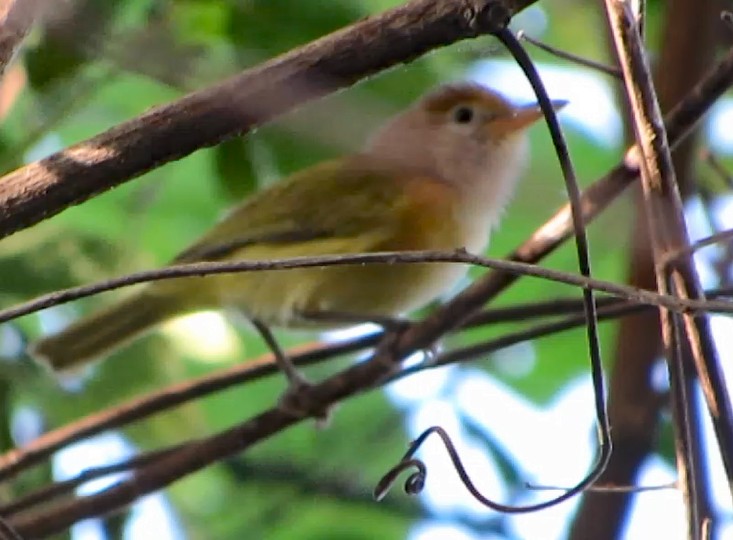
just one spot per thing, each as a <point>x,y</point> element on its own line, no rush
<point>430,217</point>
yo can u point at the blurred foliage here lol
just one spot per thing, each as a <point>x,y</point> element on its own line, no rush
<point>96,64</point>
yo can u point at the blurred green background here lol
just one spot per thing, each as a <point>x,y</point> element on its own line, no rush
<point>105,62</point>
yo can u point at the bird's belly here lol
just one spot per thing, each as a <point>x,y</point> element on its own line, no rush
<point>384,289</point>
<point>380,290</point>
<point>281,297</point>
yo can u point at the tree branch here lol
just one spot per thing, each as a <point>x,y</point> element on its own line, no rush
<point>669,234</point>
<point>142,407</point>
<point>355,379</point>
<point>172,396</point>
<point>687,50</point>
<point>237,105</point>
<point>162,467</point>
<point>202,269</point>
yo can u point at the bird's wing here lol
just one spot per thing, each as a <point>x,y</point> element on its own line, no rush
<point>333,200</point>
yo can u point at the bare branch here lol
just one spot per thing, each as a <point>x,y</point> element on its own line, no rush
<point>606,312</point>
<point>202,269</point>
<point>717,167</point>
<point>611,71</point>
<point>715,238</point>
<point>143,407</point>
<point>687,50</point>
<point>264,366</point>
<point>199,454</point>
<point>668,234</point>
<point>167,465</point>
<point>167,398</point>
<point>340,386</point>
<point>175,395</point>
<point>235,106</point>
<point>59,489</point>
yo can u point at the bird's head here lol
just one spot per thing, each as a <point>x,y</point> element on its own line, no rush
<point>465,133</point>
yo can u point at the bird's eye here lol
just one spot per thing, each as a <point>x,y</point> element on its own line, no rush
<point>463,115</point>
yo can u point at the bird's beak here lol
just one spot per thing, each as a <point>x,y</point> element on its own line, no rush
<point>527,115</point>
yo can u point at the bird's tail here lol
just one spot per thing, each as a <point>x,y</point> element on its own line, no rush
<point>101,333</point>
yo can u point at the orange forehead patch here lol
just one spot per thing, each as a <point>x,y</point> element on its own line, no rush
<point>446,97</point>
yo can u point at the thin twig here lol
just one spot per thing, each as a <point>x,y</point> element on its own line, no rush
<point>688,476</point>
<point>668,233</point>
<point>657,174</point>
<point>525,311</point>
<point>484,348</point>
<point>686,251</point>
<point>606,312</point>
<point>389,257</point>
<point>172,396</point>
<point>134,410</point>
<point>608,488</point>
<point>603,68</point>
<point>175,395</point>
<point>681,120</point>
<point>715,164</point>
<point>59,489</point>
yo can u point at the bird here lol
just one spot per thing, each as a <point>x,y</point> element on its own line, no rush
<point>436,176</point>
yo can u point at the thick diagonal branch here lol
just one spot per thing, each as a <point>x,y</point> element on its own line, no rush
<point>542,242</point>
<point>237,105</point>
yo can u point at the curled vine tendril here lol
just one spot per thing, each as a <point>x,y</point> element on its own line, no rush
<point>497,20</point>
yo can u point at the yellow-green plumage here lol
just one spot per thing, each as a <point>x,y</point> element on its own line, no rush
<point>427,180</point>
<point>370,209</point>
<point>413,212</point>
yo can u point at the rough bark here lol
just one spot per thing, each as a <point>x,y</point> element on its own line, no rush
<point>688,46</point>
